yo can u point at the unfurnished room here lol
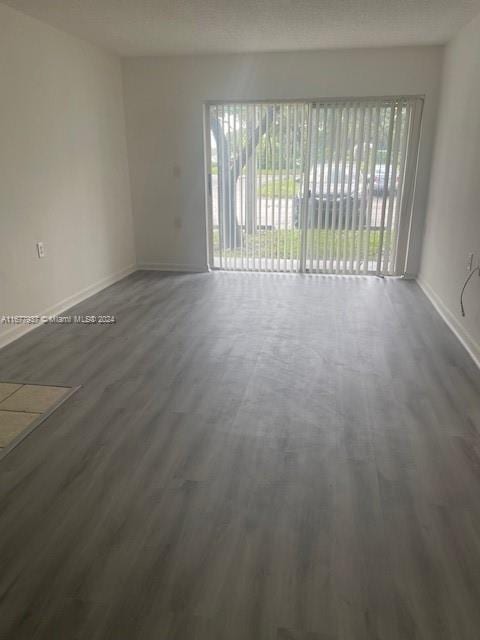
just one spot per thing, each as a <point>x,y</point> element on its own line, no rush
<point>240,320</point>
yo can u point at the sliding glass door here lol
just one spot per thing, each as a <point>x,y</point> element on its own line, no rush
<point>319,187</point>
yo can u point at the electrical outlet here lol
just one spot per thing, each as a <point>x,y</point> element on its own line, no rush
<point>470,261</point>
<point>40,249</point>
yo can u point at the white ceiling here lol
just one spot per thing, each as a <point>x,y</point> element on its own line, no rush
<point>154,27</point>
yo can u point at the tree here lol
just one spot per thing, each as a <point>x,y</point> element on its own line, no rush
<point>230,167</point>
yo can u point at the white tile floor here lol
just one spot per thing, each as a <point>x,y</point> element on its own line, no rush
<point>23,404</point>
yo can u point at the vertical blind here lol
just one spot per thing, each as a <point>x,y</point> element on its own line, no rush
<point>319,187</point>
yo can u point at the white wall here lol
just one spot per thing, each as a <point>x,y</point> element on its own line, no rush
<point>63,168</point>
<point>164,98</point>
<point>453,221</point>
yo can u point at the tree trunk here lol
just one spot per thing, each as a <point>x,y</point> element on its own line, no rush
<point>226,188</point>
<point>229,171</point>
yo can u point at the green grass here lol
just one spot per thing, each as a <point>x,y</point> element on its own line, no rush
<point>286,244</point>
<point>284,188</point>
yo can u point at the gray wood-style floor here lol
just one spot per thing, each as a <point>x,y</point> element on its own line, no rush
<point>251,457</point>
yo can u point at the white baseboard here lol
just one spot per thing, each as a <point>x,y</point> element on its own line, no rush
<point>163,266</point>
<point>20,330</point>
<point>470,344</point>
